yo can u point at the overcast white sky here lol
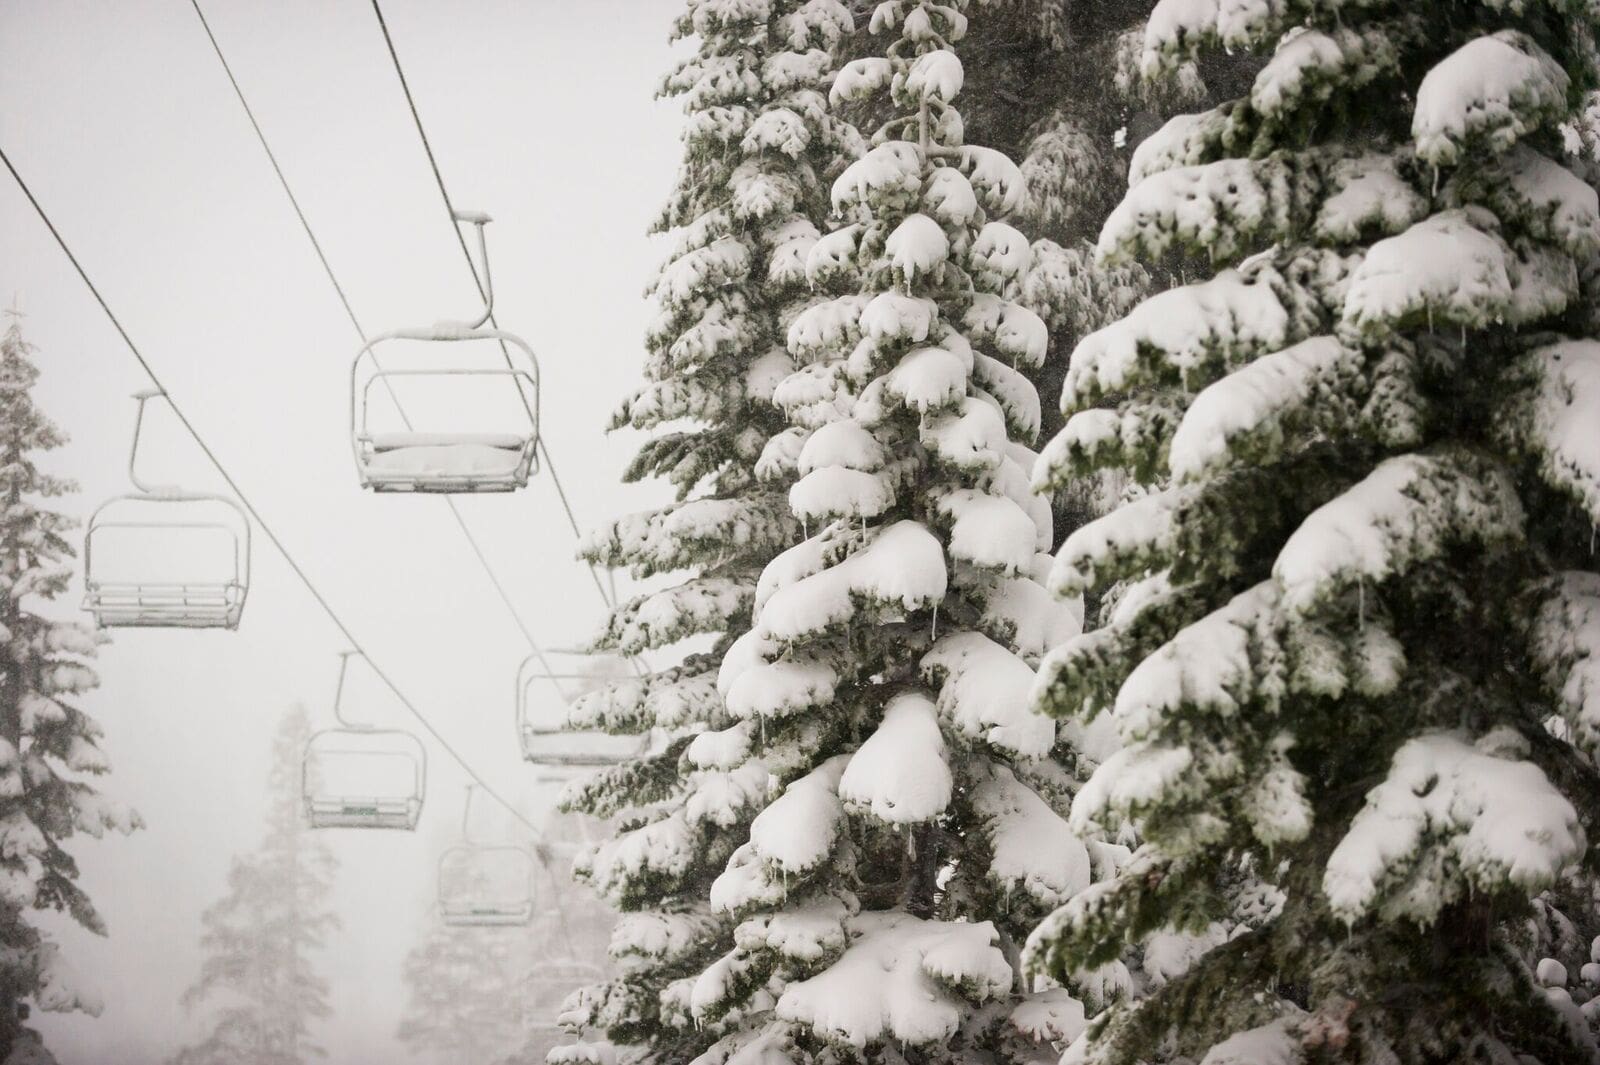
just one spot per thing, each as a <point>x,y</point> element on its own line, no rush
<point>121,119</point>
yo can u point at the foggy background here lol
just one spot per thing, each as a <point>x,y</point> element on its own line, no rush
<point>121,119</point>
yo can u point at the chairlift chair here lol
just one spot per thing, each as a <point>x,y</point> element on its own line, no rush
<point>454,461</point>
<point>561,752</point>
<point>357,776</point>
<point>205,601</point>
<point>483,883</point>
<point>548,985</point>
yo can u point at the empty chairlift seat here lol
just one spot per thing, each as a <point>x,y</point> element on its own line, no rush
<point>484,884</point>
<point>357,776</point>
<point>465,458</point>
<point>165,557</point>
<point>547,684</point>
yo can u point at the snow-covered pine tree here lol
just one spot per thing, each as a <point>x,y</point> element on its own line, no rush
<point>1359,604</point>
<point>909,822</point>
<point>566,945</point>
<point>760,147</point>
<point>261,938</point>
<point>464,991</point>
<point>48,746</point>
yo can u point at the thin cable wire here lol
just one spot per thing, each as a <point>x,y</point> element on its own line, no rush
<point>449,206</point>
<point>327,268</point>
<point>244,500</point>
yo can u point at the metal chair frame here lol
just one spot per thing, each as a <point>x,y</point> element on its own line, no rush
<point>364,442</point>
<point>483,912</point>
<point>529,732</point>
<point>362,811</point>
<point>562,975</point>
<point>208,604</point>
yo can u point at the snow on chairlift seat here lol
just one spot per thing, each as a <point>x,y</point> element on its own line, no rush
<point>444,462</point>
<point>443,455</point>
<point>358,776</point>
<point>204,601</point>
<point>547,742</point>
<point>453,462</point>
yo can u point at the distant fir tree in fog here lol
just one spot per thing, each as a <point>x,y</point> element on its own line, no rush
<point>260,938</point>
<point>569,940</point>
<point>48,747</point>
<point>490,996</point>
<point>463,999</point>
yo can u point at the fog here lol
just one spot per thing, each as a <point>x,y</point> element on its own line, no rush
<point>121,119</point>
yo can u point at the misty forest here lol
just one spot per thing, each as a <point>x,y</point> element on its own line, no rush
<point>1082,551</point>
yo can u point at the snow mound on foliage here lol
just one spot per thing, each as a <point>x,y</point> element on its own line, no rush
<point>1497,88</point>
<point>984,693</point>
<point>796,832</point>
<point>1033,851</point>
<point>1566,647</point>
<point>900,775</point>
<point>1447,267</point>
<point>1452,816</point>
<point>1277,1043</point>
<point>892,983</point>
<point>902,568</point>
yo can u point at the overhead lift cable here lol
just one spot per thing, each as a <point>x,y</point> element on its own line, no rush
<point>255,514</point>
<point>355,322</point>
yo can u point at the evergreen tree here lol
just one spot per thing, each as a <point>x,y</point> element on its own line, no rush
<point>493,995</point>
<point>1358,609</point>
<point>48,747</point>
<point>570,938</point>
<point>261,937</point>
<point>759,150</point>
<point>464,994</point>
<point>908,824</point>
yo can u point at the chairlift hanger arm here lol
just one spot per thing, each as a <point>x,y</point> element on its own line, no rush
<point>479,220</point>
<point>338,692</point>
<point>158,491</point>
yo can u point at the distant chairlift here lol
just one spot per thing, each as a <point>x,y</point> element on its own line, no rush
<point>553,979</point>
<point>358,776</point>
<point>561,752</point>
<point>482,883</point>
<point>188,530</point>
<point>455,461</point>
